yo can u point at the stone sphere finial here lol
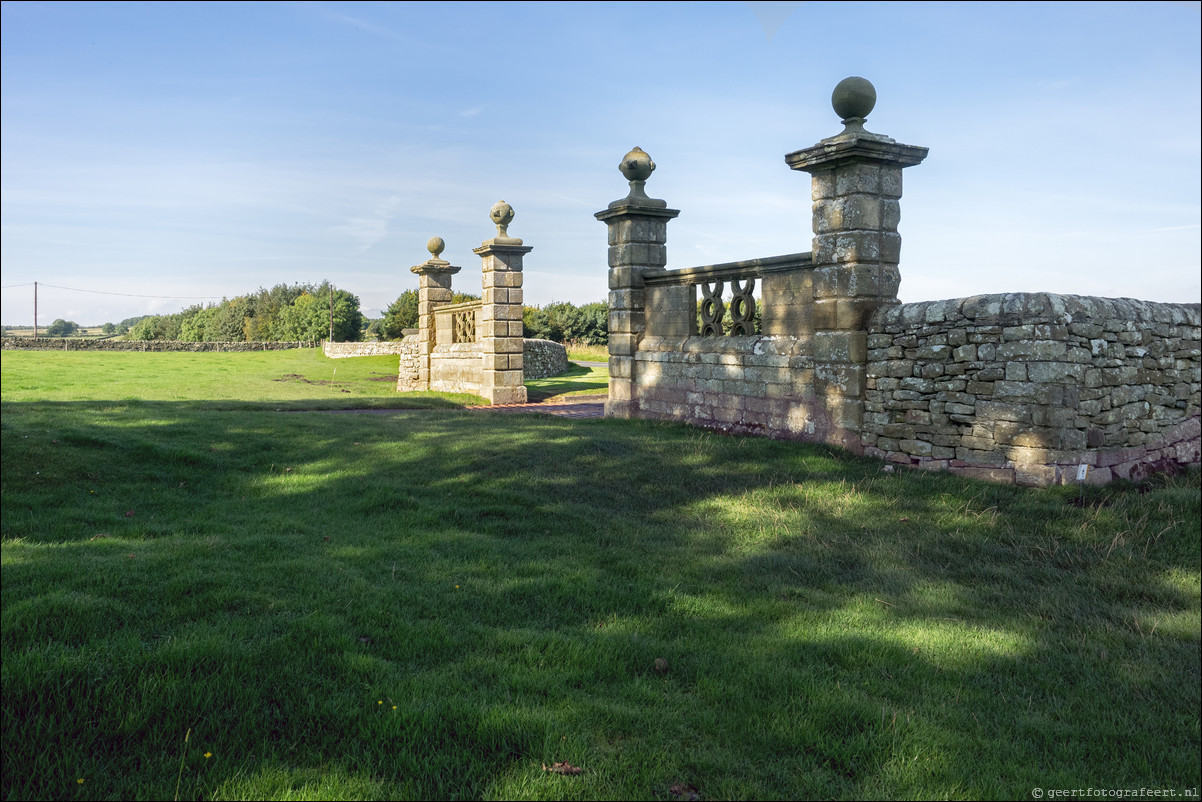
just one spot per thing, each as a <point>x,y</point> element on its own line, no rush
<point>435,246</point>
<point>853,100</point>
<point>637,165</point>
<point>501,213</point>
<point>853,97</point>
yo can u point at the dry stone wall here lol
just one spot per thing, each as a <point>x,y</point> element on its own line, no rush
<point>1027,387</point>
<point>409,375</point>
<point>543,358</point>
<point>73,344</point>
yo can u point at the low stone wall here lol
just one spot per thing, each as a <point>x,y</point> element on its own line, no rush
<point>1026,387</point>
<point>73,344</point>
<point>762,385</point>
<point>347,350</point>
<point>542,359</point>
<point>457,368</point>
<point>409,376</point>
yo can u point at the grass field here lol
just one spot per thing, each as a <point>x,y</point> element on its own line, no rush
<point>216,585</point>
<point>84,332</point>
<point>577,381</point>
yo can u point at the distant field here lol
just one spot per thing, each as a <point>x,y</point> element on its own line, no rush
<point>87,332</point>
<point>300,378</point>
<point>219,584</point>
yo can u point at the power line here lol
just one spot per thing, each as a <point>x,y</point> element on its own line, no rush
<point>127,294</point>
<point>10,286</point>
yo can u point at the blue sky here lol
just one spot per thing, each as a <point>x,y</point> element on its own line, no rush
<point>174,149</point>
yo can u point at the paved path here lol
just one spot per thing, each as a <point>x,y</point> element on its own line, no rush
<point>581,406</point>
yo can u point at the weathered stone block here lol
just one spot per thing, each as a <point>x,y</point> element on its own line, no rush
<point>625,277</point>
<point>840,346</point>
<point>1016,371</point>
<point>822,185</point>
<point>858,178</point>
<point>916,448</point>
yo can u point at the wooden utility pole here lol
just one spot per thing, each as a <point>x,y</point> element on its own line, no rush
<point>331,313</point>
<point>35,310</point>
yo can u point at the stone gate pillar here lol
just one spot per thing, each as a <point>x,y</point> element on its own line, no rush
<point>433,290</point>
<point>501,312</point>
<point>638,235</point>
<point>856,192</point>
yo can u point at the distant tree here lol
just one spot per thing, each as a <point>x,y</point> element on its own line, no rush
<point>109,328</point>
<point>130,322</point>
<point>299,312</point>
<point>566,322</point>
<point>62,328</point>
<point>157,327</point>
<point>193,321</point>
<point>594,324</point>
<point>401,314</point>
<point>228,322</point>
<point>308,317</point>
<point>143,328</point>
<point>264,308</point>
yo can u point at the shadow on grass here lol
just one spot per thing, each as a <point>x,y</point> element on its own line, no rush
<point>578,380</point>
<point>828,629</point>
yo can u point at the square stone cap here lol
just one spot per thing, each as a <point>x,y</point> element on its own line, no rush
<point>623,209</point>
<point>839,152</point>
<point>511,245</point>
<point>435,266</point>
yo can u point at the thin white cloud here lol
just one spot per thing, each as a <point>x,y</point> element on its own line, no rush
<point>368,27</point>
<point>368,230</point>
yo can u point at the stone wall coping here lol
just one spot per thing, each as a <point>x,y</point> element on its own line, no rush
<point>461,349</point>
<point>1030,306</point>
<point>462,306</point>
<point>746,268</point>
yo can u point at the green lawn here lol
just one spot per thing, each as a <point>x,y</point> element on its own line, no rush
<point>576,381</point>
<point>300,379</point>
<point>211,593</point>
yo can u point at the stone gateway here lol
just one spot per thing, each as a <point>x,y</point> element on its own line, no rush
<point>1031,388</point>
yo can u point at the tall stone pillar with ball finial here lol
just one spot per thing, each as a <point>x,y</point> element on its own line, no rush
<point>433,290</point>
<point>856,188</point>
<point>501,312</point>
<point>638,236</point>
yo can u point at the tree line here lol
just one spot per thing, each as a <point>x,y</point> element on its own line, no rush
<point>301,313</point>
<point>284,313</point>
<point>560,321</point>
